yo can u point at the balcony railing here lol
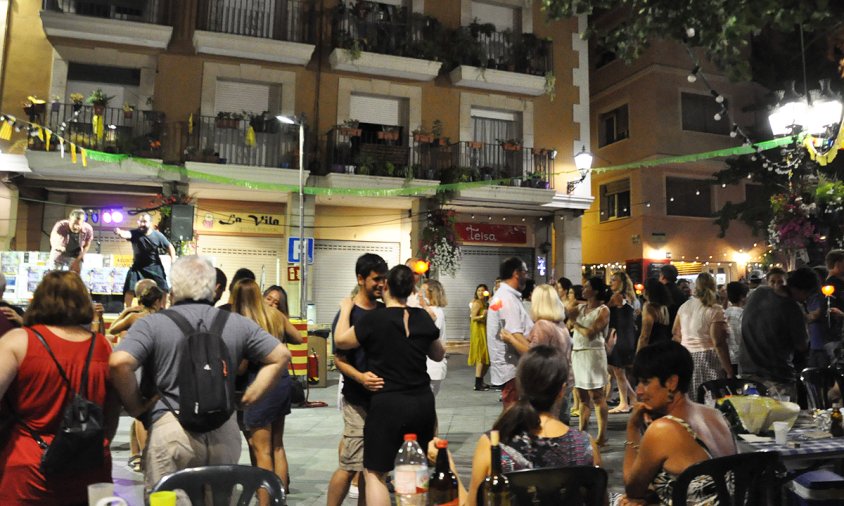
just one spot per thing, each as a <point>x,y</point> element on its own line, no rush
<point>508,51</point>
<point>142,11</point>
<point>387,29</point>
<point>350,150</point>
<point>287,20</point>
<point>216,140</point>
<point>133,132</point>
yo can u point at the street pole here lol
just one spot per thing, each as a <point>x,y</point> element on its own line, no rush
<point>303,260</point>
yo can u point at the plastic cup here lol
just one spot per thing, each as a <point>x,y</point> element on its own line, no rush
<point>780,432</point>
<point>163,498</point>
<point>97,491</point>
<point>112,501</point>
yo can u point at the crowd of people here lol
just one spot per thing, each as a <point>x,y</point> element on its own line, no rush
<point>553,350</point>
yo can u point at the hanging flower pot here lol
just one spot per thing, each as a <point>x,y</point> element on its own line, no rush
<point>99,109</point>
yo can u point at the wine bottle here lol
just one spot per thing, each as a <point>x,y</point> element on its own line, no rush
<point>442,486</point>
<point>496,487</point>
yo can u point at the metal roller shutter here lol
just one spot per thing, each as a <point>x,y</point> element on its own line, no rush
<point>334,271</point>
<point>262,255</point>
<point>377,110</point>
<point>479,265</point>
<point>235,96</point>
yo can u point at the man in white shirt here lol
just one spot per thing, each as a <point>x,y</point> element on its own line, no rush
<point>507,311</point>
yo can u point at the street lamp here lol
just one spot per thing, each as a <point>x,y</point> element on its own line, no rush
<point>583,162</point>
<point>303,261</point>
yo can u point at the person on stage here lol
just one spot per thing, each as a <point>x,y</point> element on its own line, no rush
<point>69,241</point>
<point>146,263</point>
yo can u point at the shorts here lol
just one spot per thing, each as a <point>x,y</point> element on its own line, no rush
<point>392,415</point>
<point>153,272</point>
<point>351,453</point>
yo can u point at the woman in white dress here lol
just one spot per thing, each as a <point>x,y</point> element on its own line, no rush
<point>589,354</point>
<point>434,294</point>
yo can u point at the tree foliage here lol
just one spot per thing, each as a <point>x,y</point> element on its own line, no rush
<point>723,29</point>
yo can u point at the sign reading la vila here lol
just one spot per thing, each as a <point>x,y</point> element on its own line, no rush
<point>239,222</point>
<point>490,233</point>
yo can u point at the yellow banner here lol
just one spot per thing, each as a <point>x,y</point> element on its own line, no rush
<point>241,222</point>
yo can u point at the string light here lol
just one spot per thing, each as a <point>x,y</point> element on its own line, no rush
<point>692,77</point>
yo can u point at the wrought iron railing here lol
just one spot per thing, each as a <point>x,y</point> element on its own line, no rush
<point>132,132</point>
<point>387,29</point>
<point>217,140</point>
<point>482,161</point>
<point>512,52</point>
<point>287,20</point>
<point>143,11</point>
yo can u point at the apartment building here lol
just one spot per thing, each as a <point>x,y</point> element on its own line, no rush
<point>397,98</point>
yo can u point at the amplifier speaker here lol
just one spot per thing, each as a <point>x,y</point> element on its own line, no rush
<point>181,223</point>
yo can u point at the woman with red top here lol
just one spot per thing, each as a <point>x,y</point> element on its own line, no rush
<point>31,386</point>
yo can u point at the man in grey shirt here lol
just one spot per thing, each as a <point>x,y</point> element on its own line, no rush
<point>773,328</point>
<point>155,343</point>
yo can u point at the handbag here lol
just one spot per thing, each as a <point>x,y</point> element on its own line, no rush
<point>297,389</point>
<point>80,441</point>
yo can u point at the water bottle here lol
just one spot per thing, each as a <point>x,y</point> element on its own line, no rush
<point>410,477</point>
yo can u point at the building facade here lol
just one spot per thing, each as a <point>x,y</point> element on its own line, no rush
<point>400,100</point>
<point>643,218</point>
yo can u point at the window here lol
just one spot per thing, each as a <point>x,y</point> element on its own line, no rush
<point>612,126</point>
<point>615,200</point>
<point>699,114</point>
<point>688,197</point>
<point>492,127</point>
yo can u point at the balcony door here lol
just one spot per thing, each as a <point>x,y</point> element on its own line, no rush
<point>492,128</point>
<point>248,99</point>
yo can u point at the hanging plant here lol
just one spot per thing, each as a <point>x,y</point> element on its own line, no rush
<point>439,242</point>
<point>792,227</point>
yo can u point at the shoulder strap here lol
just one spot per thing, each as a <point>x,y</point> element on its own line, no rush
<point>180,321</point>
<point>84,383</point>
<point>690,430</point>
<point>219,322</point>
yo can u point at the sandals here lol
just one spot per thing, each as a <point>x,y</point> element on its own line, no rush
<point>135,463</point>
<point>616,410</point>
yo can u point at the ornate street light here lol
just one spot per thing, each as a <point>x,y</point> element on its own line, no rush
<point>583,162</point>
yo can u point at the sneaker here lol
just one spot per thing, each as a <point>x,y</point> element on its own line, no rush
<point>353,492</point>
<point>482,387</point>
<point>497,387</point>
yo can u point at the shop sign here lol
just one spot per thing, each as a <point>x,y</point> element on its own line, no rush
<point>490,233</point>
<point>239,222</point>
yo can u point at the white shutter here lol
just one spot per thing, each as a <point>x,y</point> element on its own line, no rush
<point>234,96</point>
<point>377,110</point>
<point>258,254</point>
<point>494,114</point>
<point>479,265</point>
<point>503,17</point>
<point>334,271</point>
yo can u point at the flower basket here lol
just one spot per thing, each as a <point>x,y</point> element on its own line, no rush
<point>99,109</point>
<point>35,110</point>
<point>388,135</point>
<point>423,138</point>
<point>77,106</point>
<point>128,114</point>
<point>229,123</point>
<point>349,132</point>
<point>511,146</point>
<point>441,141</point>
<point>475,145</point>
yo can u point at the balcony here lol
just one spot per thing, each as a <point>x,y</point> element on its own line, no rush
<point>134,132</point>
<point>131,22</point>
<point>510,162</point>
<point>280,31</point>
<point>223,141</point>
<point>381,39</point>
<point>485,59</point>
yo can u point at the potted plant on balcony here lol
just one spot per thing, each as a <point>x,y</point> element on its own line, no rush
<point>228,119</point>
<point>77,99</point>
<point>99,100</point>
<point>34,108</point>
<point>388,133</point>
<point>56,104</point>
<point>422,136</point>
<point>263,123</point>
<point>511,144</point>
<point>437,131</point>
<point>349,128</point>
<point>475,144</point>
<point>128,110</point>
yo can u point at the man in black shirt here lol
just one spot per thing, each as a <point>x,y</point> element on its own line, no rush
<point>668,277</point>
<point>358,382</point>
<point>146,262</point>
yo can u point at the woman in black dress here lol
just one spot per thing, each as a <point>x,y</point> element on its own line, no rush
<point>396,340</point>
<point>655,319</point>
<point>622,322</point>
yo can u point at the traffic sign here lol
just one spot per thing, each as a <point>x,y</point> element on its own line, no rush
<point>293,249</point>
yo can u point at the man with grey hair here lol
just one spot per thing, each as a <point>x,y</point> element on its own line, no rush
<point>69,241</point>
<point>156,343</point>
<point>146,260</point>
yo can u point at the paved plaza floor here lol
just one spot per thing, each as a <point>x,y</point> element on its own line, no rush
<point>311,437</point>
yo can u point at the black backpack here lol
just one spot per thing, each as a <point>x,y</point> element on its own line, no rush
<point>79,443</point>
<point>206,377</point>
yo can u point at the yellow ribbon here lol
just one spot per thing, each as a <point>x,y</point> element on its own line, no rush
<point>97,123</point>
<point>190,124</point>
<point>825,158</point>
<point>72,152</point>
<point>47,136</point>
<point>84,157</point>
<point>6,131</point>
<point>250,136</point>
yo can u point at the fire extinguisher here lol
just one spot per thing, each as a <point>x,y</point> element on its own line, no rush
<point>313,367</point>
